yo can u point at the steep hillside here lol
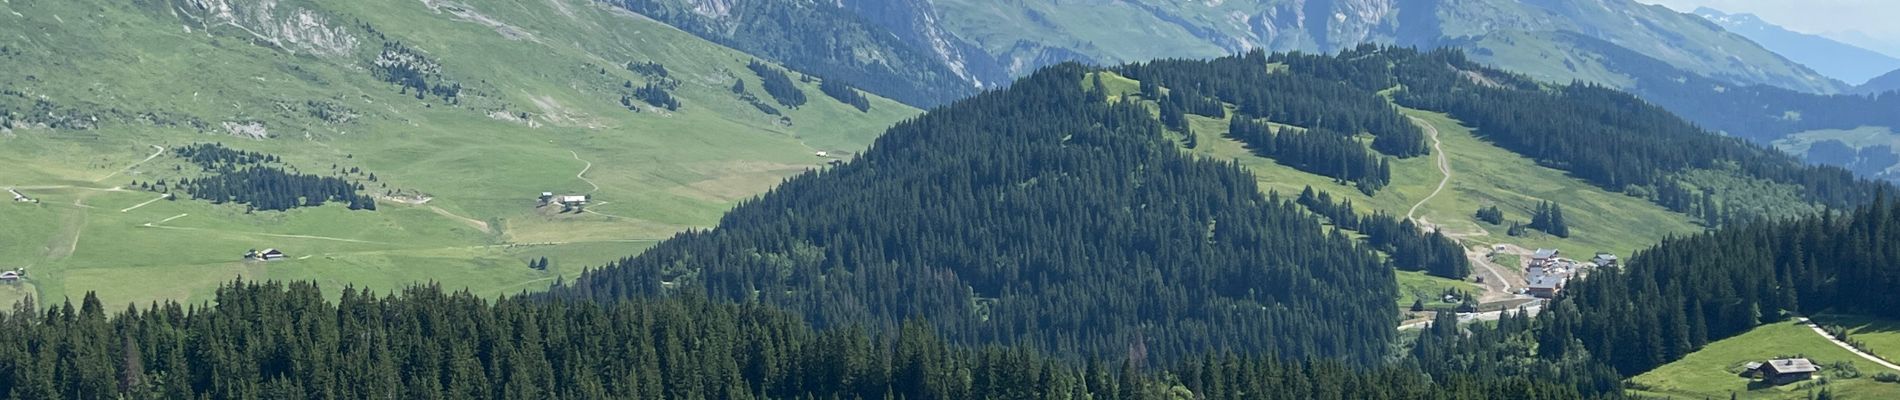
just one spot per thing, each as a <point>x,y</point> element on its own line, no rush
<point>1842,61</point>
<point>918,67</point>
<point>449,119</point>
<point>1508,33</point>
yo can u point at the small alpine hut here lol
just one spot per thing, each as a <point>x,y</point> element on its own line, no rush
<point>266,255</point>
<point>1787,370</point>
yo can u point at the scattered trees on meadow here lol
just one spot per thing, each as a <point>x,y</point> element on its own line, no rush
<point>778,85</point>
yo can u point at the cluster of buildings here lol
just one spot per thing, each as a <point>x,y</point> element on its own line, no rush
<point>567,202</point>
<point>1549,271</point>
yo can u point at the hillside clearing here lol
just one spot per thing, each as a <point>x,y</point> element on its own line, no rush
<point>1711,372</point>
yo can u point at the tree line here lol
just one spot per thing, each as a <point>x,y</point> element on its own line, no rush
<point>777,85</point>
<point>278,340</point>
<point>1286,97</point>
<point>844,93</point>
<point>1686,292</point>
<point>1600,135</point>
<point>1318,151</point>
<point>1409,246</point>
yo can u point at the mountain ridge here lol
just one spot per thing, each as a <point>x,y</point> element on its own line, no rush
<point>1846,62</point>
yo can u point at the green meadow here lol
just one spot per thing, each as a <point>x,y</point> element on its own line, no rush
<point>541,111</point>
<point>1712,371</point>
<point>1482,175</point>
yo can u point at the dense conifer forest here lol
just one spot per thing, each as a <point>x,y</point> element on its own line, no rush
<point>1297,99</point>
<point>1039,215</point>
<point>1687,292</point>
<point>272,340</point>
<point>1411,247</point>
<point>1319,151</point>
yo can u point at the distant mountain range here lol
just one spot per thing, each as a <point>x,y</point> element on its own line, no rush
<point>1833,58</point>
<point>979,43</point>
<point>1517,35</point>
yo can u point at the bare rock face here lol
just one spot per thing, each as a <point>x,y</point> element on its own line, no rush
<point>917,22</point>
<point>289,27</point>
<point>248,129</point>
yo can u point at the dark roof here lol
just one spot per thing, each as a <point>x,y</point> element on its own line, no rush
<point>1790,365</point>
<point>1541,281</point>
<point>1545,253</point>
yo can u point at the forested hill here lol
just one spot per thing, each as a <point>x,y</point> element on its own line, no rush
<point>1044,215</point>
<point>1684,293</point>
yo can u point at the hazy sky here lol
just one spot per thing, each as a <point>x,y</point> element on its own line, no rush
<point>1874,17</point>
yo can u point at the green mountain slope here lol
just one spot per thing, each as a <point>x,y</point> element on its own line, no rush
<point>1039,214</point>
<point>463,112</point>
<point>1036,213</point>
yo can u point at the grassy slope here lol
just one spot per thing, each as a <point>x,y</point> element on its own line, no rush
<point>1483,174</point>
<point>658,172</point>
<point>1706,373</point>
<point>1880,336</point>
<point>1857,138</point>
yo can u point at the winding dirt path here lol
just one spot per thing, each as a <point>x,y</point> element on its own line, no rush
<point>1871,358</point>
<point>1444,167</point>
<point>583,173</point>
<point>1497,279</point>
<point>1498,285</point>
